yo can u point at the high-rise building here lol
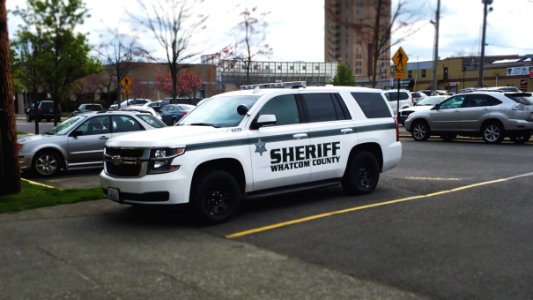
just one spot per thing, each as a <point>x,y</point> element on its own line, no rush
<point>350,28</point>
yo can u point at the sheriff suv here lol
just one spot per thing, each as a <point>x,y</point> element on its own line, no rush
<point>251,143</point>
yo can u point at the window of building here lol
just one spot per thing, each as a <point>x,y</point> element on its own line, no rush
<point>410,74</point>
<point>423,73</point>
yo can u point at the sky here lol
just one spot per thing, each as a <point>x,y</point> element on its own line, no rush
<point>296,27</point>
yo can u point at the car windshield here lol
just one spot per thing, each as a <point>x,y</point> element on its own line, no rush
<point>431,100</point>
<point>219,111</point>
<point>65,126</point>
<point>152,121</point>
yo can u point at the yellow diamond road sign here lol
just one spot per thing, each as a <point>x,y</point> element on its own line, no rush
<point>400,59</point>
<point>125,82</point>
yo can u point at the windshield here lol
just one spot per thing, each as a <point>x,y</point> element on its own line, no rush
<point>219,111</point>
<point>152,121</point>
<point>65,126</point>
<point>431,100</point>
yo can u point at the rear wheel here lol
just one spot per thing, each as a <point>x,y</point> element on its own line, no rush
<point>420,131</point>
<point>520,138</point>
<point>362,174</point>
<point>216,197</point>
<point>492,133</point>
<point>46,164</point>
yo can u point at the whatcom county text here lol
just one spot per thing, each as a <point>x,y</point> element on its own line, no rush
<point>290,158</point>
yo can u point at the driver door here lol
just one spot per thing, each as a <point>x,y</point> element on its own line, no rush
<point>86,143</point>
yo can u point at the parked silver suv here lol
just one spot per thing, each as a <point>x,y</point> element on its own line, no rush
<point>78,142</point>
<point>491,115</point>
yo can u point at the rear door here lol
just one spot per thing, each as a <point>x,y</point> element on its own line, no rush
<point>475,109</point>
<point>330,126</point>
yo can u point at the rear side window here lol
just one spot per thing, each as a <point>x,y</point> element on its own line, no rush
<point>372,105</point>
<point>525,99</point>
<point>321,107</point>
<point>480,101</point>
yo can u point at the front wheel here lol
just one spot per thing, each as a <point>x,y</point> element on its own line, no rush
<point>46,164</point>
<point>492,133</point>
<point>521,138</point>
<point>362,174</point>
<point>216,197</point>
<point>420,131</point>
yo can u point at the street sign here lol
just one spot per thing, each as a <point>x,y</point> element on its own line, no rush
<point>126,90</point>
<point>125,82</point>
<point>399,75</point>
<point>400,60</point>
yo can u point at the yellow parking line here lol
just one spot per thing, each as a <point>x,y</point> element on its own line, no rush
<point>352,209</point>
<point>40,184</point>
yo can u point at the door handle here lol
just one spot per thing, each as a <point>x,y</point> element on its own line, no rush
<point>346,130</point>
<point>300,135</point>
<point>103,137</point>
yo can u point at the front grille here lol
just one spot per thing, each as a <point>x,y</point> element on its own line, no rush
<point>124,162</point>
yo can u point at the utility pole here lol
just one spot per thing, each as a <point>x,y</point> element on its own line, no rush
<point>436,47</point>
<point>486,3</point>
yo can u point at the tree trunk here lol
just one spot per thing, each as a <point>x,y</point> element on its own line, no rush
<point>9,166</point>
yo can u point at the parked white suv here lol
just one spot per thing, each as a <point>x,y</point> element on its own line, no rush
<point>406,100</point>
<point>258,142</point>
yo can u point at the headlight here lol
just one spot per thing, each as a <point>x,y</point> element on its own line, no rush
<point>161,160</point>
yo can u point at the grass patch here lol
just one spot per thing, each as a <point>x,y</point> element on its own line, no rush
<point>35,196</point>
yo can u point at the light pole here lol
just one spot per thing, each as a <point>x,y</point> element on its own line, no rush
<point>486,3</point>
<point>436,47</point>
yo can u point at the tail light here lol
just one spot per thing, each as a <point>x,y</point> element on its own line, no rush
<point>397,129</point>
<point>183,113</point>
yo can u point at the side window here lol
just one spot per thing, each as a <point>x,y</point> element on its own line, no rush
<point>321,107</point>
<point>285,109</point>
<point>372,105</point>
<point>96,125</point>
<point>125,124</point>
<point>454,102</point>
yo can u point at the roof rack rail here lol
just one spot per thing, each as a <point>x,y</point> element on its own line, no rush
<point>277,84</point>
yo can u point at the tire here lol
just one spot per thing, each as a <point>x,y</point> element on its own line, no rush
<point>216,197</point>
<point>46,164</point>
<point>362,174</point>
<point>521,138</point>
<point>448,137</point>
<point>492,133</point>
<point>420,131</point>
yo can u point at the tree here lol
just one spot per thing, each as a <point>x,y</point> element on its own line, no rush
<point>173,25</point>
<point>9,167</point>
<point>56,54</point>
<point>377,28</point>
<point>344,75</point>
<point>121,53</point>
<point>188,82</point>
<point>250,44</point>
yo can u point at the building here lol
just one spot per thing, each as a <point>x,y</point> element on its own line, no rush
<point>456,73</point>
<point>231,74</point>
<point>349,32</point>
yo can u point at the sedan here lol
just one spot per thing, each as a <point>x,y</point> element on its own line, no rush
<point>172,113</point>
<point>78,142</point>
<point>491,115</point>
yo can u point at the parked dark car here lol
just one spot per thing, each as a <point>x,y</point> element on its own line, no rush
<point>86,107</point>
<point>45,109</point>
<point>172,113</point>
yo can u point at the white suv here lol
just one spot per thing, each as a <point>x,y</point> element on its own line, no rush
<point>258,142</point>
<point>406,100</point>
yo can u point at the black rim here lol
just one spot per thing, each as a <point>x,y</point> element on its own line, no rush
<point>218,202</point>
<point>365,176</point>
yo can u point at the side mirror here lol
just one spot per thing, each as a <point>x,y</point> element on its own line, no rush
<point>76,133</point>
<point>264,120</point>
<point>242,109</point>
